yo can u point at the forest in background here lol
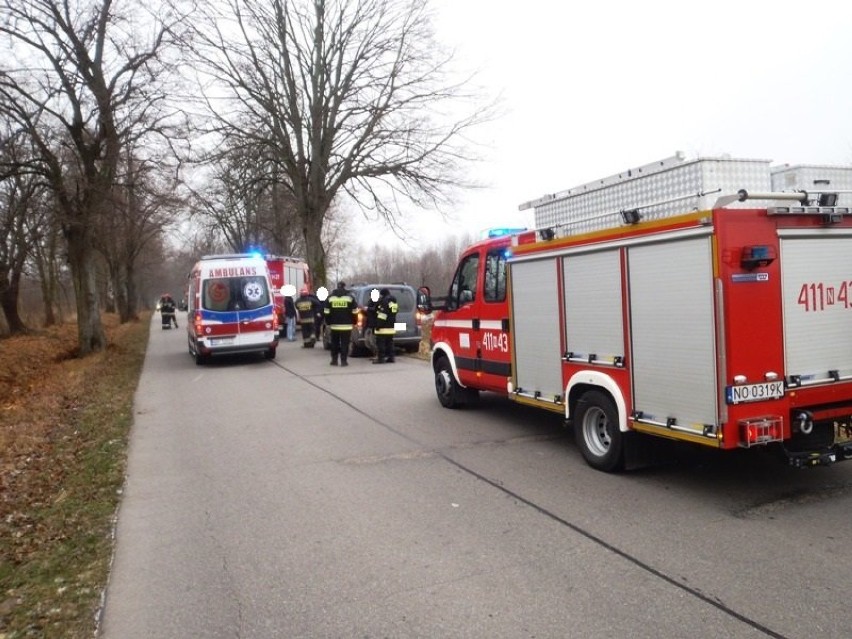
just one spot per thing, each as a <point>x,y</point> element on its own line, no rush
<point>136,137</point>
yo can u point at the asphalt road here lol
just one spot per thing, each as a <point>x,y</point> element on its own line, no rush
<point>291,499</point>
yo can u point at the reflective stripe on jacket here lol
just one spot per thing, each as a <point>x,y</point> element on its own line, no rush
<point>386,310</point>
<point>340,311</point>
<point>306,305</point>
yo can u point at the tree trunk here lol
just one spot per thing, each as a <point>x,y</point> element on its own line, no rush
<point>9,290</point>
<point>81,258</point>
<point>116,291</point>
<point>45,260</point>
<point>48,296</point>
<point>127,299</point>
<point>315,253</point>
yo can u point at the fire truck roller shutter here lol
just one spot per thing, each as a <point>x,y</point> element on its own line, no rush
<point>594,322</point>
<point>817,300</point>
<point>673,337</point>
<point>535,314</point>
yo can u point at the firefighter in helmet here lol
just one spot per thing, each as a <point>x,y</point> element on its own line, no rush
<point>341,313</point>
<point>308,306</point>
<point>167,310</point>
<point>386,309</point>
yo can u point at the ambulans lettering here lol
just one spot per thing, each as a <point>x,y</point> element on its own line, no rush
<point>231,271</point>
<point>818,296</point>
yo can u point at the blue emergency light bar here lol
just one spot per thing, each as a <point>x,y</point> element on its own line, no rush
<point>501,232</point>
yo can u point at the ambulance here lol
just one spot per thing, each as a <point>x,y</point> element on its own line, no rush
<point>230,307</point>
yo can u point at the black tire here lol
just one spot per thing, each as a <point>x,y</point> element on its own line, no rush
<point>356,351</point>
<point>412,348</point>
<point>597,432</point>
<point>269,353</point>
<point>193,351</point>
<point>450,394</point>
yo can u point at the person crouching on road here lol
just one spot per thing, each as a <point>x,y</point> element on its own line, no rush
<point>341,313</point>
<point>386,309</point>
<point>307,306</point>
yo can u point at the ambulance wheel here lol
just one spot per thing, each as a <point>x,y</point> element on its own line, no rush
<point>450,394</point>
<point>596,429</point>
<point>269,353</point>
<point>200,360</point>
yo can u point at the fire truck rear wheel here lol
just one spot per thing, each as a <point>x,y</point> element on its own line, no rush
<point>596,429</point>
<point>450,394</point>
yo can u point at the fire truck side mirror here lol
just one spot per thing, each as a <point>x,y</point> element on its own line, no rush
<point>424,300</point>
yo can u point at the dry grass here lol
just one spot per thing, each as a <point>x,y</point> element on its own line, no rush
<point>64,423</point>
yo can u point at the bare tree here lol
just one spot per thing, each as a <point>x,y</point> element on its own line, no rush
<point>248,204</point>
<point>21,222</point>
<point>347,96</point>
<point>82,78</point>
<point>144,202</point>
<point>432,267</point>
<point>49,265</point>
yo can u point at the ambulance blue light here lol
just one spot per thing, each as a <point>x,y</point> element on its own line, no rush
<point>500,232</point>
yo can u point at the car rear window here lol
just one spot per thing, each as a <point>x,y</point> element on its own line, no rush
<point>235,293</point>
<point>405,297</point>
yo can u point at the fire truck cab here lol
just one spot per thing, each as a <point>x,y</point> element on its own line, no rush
<point>727,327</point>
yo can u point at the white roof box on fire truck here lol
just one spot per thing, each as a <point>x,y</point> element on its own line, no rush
<point>677,185</point>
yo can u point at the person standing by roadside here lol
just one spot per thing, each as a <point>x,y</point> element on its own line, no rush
<point>386,310</point>
<point>290,318</point>
<point>307,306</point>
<point>370,322</point>
<point>341,313</point>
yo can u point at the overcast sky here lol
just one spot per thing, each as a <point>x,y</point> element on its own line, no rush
<point>592,88</point>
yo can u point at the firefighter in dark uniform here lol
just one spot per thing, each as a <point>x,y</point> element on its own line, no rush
<point>307,306</point>
<point>370,321</point>
<point>386,309</point>
<point>341,313</point>
<point>167,311</point>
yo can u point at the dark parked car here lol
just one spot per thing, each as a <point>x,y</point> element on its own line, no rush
<point>408,317</point>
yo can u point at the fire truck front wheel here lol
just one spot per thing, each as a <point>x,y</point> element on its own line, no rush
<point>596,429</point>
<point>450,394</point>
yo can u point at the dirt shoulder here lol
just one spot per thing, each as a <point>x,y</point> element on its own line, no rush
<point>64,424</point>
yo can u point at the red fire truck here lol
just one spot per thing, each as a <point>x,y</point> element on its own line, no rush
<point>288,275</point>
<point>728,327</point>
